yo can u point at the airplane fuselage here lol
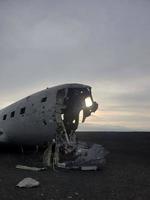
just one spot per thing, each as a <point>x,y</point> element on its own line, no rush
<point>33,120</point>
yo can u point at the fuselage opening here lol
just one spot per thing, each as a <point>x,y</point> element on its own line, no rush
<point>73,101</point>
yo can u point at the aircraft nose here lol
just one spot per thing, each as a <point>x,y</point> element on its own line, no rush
<point>94,106</point>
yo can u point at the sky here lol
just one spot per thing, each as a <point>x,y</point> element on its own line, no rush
<point>105,44</point>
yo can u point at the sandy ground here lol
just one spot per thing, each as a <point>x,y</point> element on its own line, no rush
<point>126,174</point>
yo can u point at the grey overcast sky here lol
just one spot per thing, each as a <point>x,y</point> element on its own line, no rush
<point>105,44</point>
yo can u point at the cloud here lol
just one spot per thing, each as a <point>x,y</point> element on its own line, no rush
<point>101,43</point>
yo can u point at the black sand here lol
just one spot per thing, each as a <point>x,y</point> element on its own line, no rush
<point>125,176</point>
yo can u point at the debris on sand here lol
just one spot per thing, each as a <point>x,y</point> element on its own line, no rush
<point>69,197</point>
<point>82,156</point>
<point>89,168</point>
<point>85,157</point>
<point>37,169</point>
<point>28,183</point>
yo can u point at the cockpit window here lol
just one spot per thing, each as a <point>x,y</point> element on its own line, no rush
<point>88,102</point>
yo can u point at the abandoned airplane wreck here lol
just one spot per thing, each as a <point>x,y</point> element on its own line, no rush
<point>51,117</point>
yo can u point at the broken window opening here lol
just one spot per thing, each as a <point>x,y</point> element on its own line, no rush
<point>12,114</point>
<point>22,110</point>
<point>81,116</point>
<point>88,102</point>
<point>4,117</point>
